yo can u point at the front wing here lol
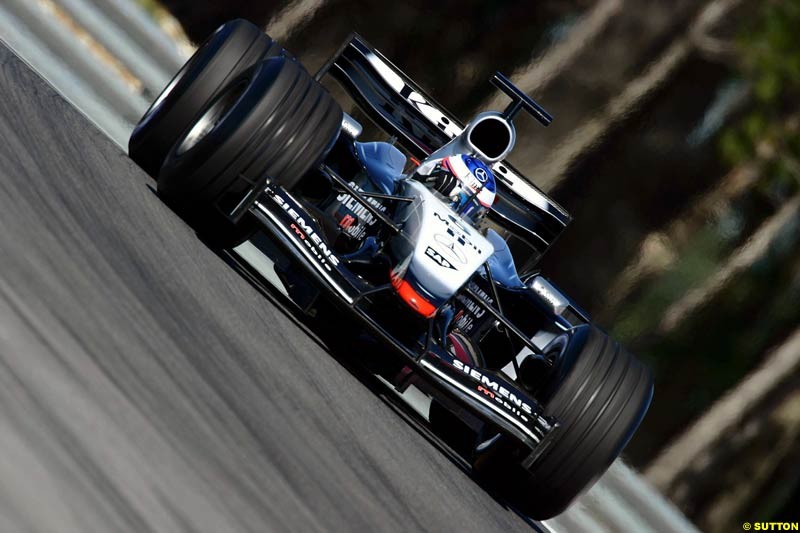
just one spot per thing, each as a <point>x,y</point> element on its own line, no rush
<point>488,394</point>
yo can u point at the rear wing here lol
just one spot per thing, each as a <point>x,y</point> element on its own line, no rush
<point>399,106</point>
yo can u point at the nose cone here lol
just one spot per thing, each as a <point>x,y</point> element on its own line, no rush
<point>436,253</point>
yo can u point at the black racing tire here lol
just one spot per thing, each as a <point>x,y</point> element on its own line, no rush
<point>273,121</point>
<point>233,48</point>
<point>600,403</point>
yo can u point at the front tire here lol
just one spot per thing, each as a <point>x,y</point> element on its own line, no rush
<point>230,50</point>
<point>273,121</point>
<point>600,400</point>
<point>600,403</point>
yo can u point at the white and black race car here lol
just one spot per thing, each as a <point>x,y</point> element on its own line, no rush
<point>408,240</point>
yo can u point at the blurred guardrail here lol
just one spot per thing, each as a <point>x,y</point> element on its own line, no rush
<point>110,58</point>
<point>107,57</point>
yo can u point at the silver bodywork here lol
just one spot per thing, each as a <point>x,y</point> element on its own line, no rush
<point>438,248</point>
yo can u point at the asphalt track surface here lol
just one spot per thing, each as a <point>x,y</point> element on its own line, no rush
<point>145,386</point>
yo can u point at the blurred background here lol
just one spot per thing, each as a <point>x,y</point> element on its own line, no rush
<point>675,147</point>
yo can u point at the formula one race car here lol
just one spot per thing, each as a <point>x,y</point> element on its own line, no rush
<point>409,239</point>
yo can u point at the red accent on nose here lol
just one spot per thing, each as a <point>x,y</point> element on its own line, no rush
<point>410,296</point>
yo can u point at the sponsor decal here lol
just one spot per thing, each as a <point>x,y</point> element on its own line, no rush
<point>450,219</point>
<point>466,317</point>
<point>347,221</point>
<point>450,248</point>
<point>439,258</point>
<point>480,173</point>
<point>306,233</point>
<point>463,321</point>
<point>356,218</point>
<point>493,390</point>
<point>548,293</point>
<point>456,230</point>
<point>350,127</point>
<point>430,112</point>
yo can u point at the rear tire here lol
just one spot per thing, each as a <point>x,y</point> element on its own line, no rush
<point>599,403</point>
<point>229,51</point>
<point>274,120</point>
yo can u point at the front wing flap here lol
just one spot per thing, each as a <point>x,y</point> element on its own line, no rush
<point>492,396</point>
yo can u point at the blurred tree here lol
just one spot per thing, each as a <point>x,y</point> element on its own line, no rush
<point>450,48</point>
<point>770,61</point>
<point>199,19</point>
<point>619,158</point>
<point>738,459</point>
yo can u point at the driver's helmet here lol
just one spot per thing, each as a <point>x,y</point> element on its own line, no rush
<point>469,184</point>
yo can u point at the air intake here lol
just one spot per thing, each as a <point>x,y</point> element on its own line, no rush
<point>490,136</point>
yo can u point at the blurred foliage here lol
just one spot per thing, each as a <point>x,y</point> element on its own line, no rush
<point>151,6</point>
<point>770,61</point>
<point>711,350</point>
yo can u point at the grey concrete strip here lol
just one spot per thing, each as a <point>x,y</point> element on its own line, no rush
<point>577,520</point>
<point>25,43</point>
<point>605,506</point>
<point>77,57</point>
<point>261,263</point>
<point>147,387</point>
<point>638,494</point>
<point>117,42</point>
<point>144,31</point>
